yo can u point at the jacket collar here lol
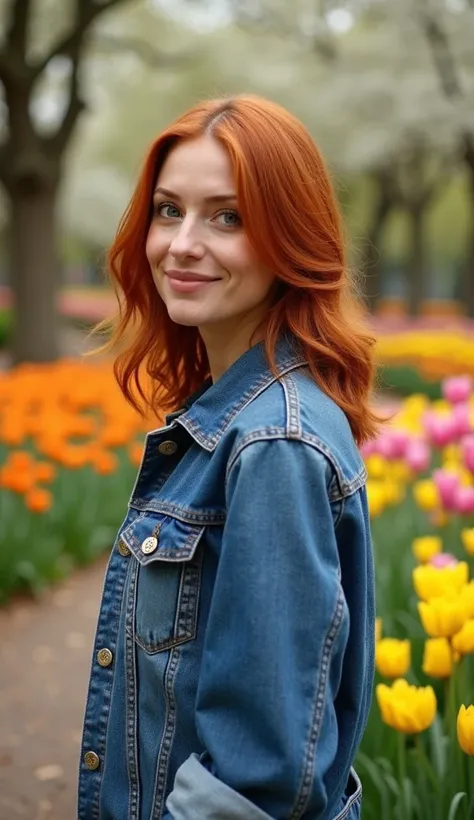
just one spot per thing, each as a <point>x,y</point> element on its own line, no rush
<point>210,411</point>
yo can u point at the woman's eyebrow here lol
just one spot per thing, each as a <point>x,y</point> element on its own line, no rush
<point>213,198</point>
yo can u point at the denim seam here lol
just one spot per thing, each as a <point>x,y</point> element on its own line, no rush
<point>182,553</point>
<point>209,442</point>
<point>131,700</point>
<point>162,766</point>
<point>293,415</point>
<point>180,513</point>
<point>341,513</point>
<point>304,790</point>
<point>346,488</point>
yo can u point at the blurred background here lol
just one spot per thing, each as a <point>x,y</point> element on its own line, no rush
<point>386,87</point>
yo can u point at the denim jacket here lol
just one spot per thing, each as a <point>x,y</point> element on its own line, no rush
<point>233,662</point>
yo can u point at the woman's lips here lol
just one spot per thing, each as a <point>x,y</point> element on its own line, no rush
<point>185,285</point>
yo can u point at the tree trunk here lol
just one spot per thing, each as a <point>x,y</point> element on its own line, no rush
<point>417,262</point>
<point>372,264</point>
<point>34,273</point>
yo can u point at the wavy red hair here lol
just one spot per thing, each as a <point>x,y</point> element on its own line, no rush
<point>295,228</point>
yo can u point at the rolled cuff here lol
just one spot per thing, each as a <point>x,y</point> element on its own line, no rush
<point>198,795</point>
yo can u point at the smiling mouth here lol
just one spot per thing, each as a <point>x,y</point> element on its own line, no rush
<point>188,283</point>
<point>188,276</point>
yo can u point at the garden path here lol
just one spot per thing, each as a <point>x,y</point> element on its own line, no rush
<point>45,650</point>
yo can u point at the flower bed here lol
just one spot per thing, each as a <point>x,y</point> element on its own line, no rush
<point>69,450</point>
<point>415,759</point>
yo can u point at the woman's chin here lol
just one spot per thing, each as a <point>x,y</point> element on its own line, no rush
<point>181,316</point>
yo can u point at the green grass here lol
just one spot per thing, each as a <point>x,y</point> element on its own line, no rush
<point>6,327</point>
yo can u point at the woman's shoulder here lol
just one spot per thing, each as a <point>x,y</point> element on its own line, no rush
<point>297,409</point>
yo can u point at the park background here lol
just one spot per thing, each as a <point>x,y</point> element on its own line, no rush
<point>386,87</point>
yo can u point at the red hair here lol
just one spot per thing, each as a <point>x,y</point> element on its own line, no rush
<point>292,220</point>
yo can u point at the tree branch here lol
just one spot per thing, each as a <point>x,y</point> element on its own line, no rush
<point>448,76</point>
<point>442,57</point>
<point>17,26</point>
<point>86,13</point>
<point>13,65</point>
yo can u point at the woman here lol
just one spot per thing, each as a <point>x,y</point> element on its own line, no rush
<point>232,668</point>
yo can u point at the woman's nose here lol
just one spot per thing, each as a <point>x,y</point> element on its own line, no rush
<point>186,241</point>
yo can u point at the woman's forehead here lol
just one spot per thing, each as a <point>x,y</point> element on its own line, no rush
<point>200,164</point>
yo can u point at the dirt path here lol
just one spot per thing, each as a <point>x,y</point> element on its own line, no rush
<point>45,651</point>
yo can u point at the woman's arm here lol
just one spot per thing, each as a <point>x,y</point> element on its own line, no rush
<point>274,646</point>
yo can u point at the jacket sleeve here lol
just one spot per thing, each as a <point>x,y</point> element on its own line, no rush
<point>274,646</point>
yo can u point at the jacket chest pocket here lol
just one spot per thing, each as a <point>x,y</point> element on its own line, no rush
<point>168,580</point>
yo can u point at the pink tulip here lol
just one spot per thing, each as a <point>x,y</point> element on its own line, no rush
<point>462,419</point>
<point>467,450</point>
<point>447,484</point>
<point>400,442</point>
<point>464,500</point>
<point>386,446</point>
<point>441,430</point>
<point>443,559</point>
<point>418,455</point>
<point>457,389</point>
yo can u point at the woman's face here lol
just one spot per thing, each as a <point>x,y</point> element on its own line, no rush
<point>201,261</point>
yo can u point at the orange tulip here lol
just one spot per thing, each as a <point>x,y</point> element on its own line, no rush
<point>38,500</point>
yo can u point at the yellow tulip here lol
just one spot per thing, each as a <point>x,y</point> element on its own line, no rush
<point>394,492</point>
<point>467,595</point>
<point>465,727</point>
<point>442,406</point>
<point>376,466</point>
<point>433,582</point>
<point>408,709</point>
<point>463,641</point>
<point>467,538</point>
<point>375,497</point>
<point>452,455</point>
<point>378,629</point>
<point>437,658</point>
<point>426,547</point>
<point>400,471</point>
<point>392,657</point>
<point>444,616</point>
<point>426,495</point>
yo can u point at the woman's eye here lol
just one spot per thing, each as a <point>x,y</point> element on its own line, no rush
<point>229,219</point>
<point>167,210</point>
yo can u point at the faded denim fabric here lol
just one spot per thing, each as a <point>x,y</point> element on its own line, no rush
<point>238,611</point>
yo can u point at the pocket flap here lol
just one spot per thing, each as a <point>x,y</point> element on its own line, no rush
<point>154,537</point>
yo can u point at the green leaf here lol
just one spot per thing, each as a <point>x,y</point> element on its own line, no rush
<point>438,746</point>
<point>455,803</point>
<point>376,776</point>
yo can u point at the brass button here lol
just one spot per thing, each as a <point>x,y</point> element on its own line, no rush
<point>149,544</point>
<point>104,657</point>
<point>92,760</point>
<point>167,448</point>
<point>122,548</point>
